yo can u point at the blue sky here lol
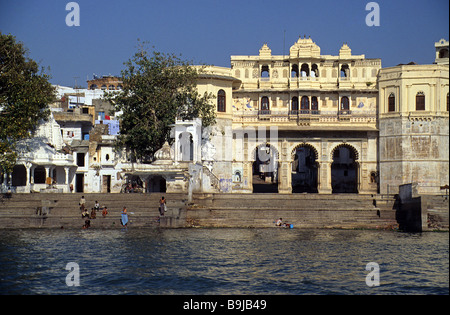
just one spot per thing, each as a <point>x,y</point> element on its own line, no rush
<point>210,31</point>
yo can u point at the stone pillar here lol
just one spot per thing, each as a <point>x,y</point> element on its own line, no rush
<point>27,183</point>
<point>248,176</point>
<point>285,178</point>
<point>67,171</point>
<point>325,178</point>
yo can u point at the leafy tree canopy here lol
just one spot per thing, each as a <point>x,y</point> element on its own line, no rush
<point>157,89</point>
<point>24,97</point>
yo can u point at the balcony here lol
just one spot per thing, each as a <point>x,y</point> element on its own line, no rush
<point>304,117</point>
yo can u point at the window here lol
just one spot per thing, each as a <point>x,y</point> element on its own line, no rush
<point>345,103</point>
<point>345,71</point>
<point>294,71</point>
<point>265,71</point>
<point>101,115</point>
<point>305,102</point>
<point>314,103</point>
<point>264,103</point>
<point>314,70</point>
<point>443,53</point>
<point>93,86</point>
<point>304,70</point>
<point>294,104</point>
<point>80,159</point>
<point>391,102</point>
<point>221,101</point>
<point>420,101</point>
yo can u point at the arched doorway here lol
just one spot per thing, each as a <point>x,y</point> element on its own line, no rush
<point>265,169</point>
<point>19,176</point>
<point>344,169</point>
<point>304,169</point>
<point>156,184</point>
<point>186,146</point>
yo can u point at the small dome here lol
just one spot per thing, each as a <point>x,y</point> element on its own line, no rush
<point>164,154</point>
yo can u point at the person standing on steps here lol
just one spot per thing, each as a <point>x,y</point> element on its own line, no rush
<point>162,206</point>
<point>82,203</point>
<point>124,217</point>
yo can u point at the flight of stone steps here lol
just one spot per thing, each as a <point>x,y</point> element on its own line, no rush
<point>302,210</point>
<point>63,210</point>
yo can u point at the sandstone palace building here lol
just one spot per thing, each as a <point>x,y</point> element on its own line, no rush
<point>304,122</point>
<point>344,124</point>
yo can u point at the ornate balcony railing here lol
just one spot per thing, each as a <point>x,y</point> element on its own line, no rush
<point>324,116</point>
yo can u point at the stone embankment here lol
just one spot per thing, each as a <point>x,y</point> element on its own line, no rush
<point>347,211</point>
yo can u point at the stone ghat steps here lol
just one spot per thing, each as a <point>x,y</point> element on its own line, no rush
<point>305,211</point>
<point>294,202</point>
<point>67,204</point>
<point>62,210</point>
<point>325,218</point>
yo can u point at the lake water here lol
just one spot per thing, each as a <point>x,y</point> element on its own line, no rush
<point>222,261</point>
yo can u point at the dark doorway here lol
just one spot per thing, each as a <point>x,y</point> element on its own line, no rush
<point>19,176</point>
<point>304,170</point>
<point>344,170</point>
<point>106,185</point>
<point>265,170</point>
<point>79,182</point>
<point>157,184</point>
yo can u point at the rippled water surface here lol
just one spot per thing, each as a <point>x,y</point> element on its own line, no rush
<point>222,261</point>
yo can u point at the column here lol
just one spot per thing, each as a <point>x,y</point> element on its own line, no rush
<point>67,171</point>
<point>285,178</point>
<point>27,183</point>
<point>325,178</point>
<point>248,175</point>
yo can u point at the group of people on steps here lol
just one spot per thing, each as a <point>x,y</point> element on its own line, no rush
<point>124,214</point>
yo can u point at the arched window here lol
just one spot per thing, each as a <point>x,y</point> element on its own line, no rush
<point>221,101</point>
<point>305,102</point>
<point>265,103</point>
<point>294,71</point>
<point>345,71</point>
<point>93,86</point>
<point>305,70</point>
<point>111,87</point>
<point>314,103</point>
<point>420,101</point>
<point>314,70</point>
<point>391,102</point>
<point>345,103</point>
<point>294,104</point>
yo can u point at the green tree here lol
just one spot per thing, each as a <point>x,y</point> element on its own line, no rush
<point>157,89</point>
<point>24,97</point>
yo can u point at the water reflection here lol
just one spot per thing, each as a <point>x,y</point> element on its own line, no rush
<point>222,261</point>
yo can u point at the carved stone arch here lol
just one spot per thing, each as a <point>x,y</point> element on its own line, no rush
<point>253,155</point>
<point>348,146</point>
<point>308,145</point>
